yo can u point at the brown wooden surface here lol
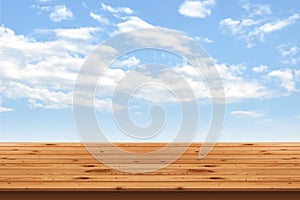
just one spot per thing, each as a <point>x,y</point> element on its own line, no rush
<point>230,166</point>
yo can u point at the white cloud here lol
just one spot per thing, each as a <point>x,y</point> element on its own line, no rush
<point>42,9</point>
<point>133,23</point>
<point>256,23</point>
<point>279,24</point>
<point>234,26</point>
<point>111,9</point>
<point>194,8</point>
<point>82,33</point>
<point>236,87</point>
<point>261,68</point>
<point>291,51</point>
<point>155,38</point>
<point>5,109</point>
<point>127,63</point>
<point>247,114</point>
<point>238,69</point>
<point>242,29</point>
<point>61,13</point>
<point>42,72</point>
<point>39,96</point>
<point>204,39</point>
<point>289,54</point>
<point>99,18</point>
<point>257,9</point>
<point>154,85</point>
<point>286,78</point>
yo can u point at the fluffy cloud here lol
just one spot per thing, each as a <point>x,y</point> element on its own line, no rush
<point>289,54</point>
<point>127,63</point>
<point>99,18</point>
<point>4,109</point>
<point>199,9</point>
<point>286,77</point>
<point>237,27</point>
<point>257,22</point>
<point>111,9</point>
<point>261,68</point>
<point>38,96</point>
<point>43,72</point>
<point>257,9</point>
<point>128,22</point>
<point>82,33</point>
<point>204,39</point>
<point>237,87</point>
<point>61,13</point>
<point>247,114</point>
<point>278,24</point>
<point>133,23</point>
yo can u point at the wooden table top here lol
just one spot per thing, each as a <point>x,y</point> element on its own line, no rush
<point>229,166</point>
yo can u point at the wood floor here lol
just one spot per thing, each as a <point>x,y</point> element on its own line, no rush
<point>230,166</point>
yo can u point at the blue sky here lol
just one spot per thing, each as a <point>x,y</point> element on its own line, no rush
<point>254,44</point>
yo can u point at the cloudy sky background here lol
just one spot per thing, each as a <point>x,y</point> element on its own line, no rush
<point>255,45</point>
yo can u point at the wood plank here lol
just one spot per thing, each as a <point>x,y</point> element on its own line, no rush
<point>179,161</point>
<point>174,165</point>
<point>257,144</point>
<point>140,149</point>
<point>150,157</point>
<point>158,185</point>
<point>165,171</point>
<point>148,178</point>
<point>113,152</point>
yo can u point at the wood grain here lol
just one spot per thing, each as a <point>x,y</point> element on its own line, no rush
<point>230,166</point>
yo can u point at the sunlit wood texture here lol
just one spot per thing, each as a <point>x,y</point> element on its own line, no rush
<point>230,166</point>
